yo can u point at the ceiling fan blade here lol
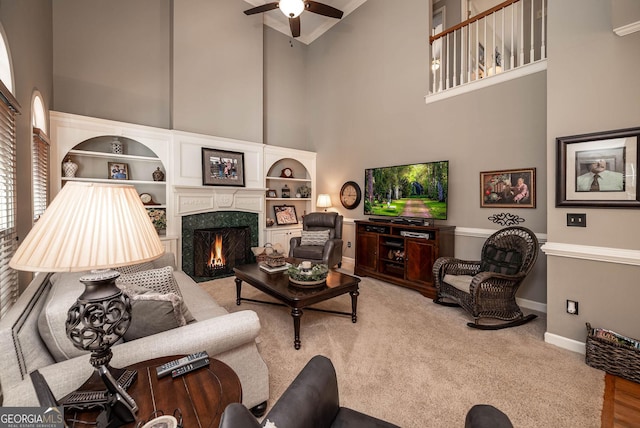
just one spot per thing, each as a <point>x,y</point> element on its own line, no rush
<point>294,23</point>
<point>322,9</point>
<point>263,8</point>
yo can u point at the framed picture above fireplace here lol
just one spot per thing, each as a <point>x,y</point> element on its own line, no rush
<point>222,168</point>
<point>285,214</point>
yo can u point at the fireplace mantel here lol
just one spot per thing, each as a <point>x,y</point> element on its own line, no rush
<point>194,200</point>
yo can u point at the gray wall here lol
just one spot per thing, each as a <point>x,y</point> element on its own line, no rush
<point>218,69</point>
<point>192,65</point>
<point>27,25</point>
<point>624,12</point>
<point>112,59</point>
<point>603,97</point>
<point>366,109</point>
<point>286,89</point>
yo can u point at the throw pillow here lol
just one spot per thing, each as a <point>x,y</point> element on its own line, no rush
<point>314,237</point>
<point>152,312</point>
<point>501,260</point>
<point>159,280</point>
<point>126,270</point>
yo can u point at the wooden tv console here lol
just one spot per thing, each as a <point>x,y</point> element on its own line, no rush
<point>402,254</point>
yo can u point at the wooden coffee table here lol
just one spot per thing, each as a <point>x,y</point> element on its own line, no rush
<point>296,297</point>
<point>201,395</point>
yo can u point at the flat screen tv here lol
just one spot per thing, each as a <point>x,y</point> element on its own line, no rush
<point>418,190</point>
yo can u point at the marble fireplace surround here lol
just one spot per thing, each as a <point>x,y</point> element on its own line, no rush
<point>215,206</point>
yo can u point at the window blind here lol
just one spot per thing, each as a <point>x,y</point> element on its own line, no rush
<point>8,236</point>
<point>40,172</point>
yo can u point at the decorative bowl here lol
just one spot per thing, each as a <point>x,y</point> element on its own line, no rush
<point>315,275</point>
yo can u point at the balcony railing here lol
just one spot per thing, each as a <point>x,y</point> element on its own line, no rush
<point>507,37</point>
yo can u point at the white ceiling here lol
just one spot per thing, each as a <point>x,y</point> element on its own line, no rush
<point>312,25</point>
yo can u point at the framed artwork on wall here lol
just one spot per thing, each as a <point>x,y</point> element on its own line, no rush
<point>598,169</point>
<point>222,168</point>
<point>285,214</point>
<point>510,188</point>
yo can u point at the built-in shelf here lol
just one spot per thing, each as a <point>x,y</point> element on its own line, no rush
<point>300,180</point>
<point>288,199</point>
<point>111,180</point>
<point>95,154</point>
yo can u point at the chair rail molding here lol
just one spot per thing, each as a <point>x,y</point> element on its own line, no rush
<point>588,252</point>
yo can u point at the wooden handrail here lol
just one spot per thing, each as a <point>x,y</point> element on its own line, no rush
<point>472,20</point>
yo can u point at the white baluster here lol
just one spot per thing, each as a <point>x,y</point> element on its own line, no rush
<point>513,36</point>
<point>532,53</point>
<point>477,71</point>
<point>521,23</point>
<point>502,42</point>
<point>442,48</point>
<point>433,61</point>
<point>493,45</point>
<point>486,49</point>
<point>447,64</point>
<point>462,55</point>
<point>543,48</point>
<point>455,57</point>
<point>469,53</point>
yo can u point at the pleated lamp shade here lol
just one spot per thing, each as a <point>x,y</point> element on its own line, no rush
<point>90,226</point>
<point>324,201</point>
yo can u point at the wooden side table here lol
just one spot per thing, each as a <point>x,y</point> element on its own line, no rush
<point>201,395</point>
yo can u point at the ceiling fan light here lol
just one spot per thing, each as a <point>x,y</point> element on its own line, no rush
<point>291,8</point>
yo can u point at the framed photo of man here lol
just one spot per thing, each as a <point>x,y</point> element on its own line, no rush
<point>598,169</point>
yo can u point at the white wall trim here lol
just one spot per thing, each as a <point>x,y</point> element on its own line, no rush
<point>532,304</point>
<point>625,30</point>
<point>485,233</point>
<point>525,70</point>
<point>565,343</point>
<point>588,252</point>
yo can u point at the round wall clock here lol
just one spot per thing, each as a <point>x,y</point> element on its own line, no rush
<point>350,195</point>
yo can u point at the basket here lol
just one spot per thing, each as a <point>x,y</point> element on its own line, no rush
<point>613,353</point>
<point>262,257</point>
<point>275,259</point>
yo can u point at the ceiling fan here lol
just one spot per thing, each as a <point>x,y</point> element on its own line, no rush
<point>293,8</point>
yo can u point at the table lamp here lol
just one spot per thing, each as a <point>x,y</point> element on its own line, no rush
<point>324,201</point>
<point>93,227</point>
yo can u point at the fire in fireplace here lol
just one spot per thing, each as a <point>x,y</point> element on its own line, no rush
<point>218,250</point>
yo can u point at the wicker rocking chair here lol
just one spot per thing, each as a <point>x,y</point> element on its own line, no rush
<point>487,288</point>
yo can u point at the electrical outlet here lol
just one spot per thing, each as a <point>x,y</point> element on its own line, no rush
<point>577,220</point>
<point>349,244</point>
<point>572,307</point>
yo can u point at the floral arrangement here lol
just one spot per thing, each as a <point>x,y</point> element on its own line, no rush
<point>314,273</point>
<point>158,217</point>
<point>305,191</point>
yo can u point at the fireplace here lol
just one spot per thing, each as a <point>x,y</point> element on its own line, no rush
<point>213,223</point>
<point>216,251</point>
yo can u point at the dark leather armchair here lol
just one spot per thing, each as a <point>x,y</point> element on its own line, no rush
<point>486,288</point>
<point>331,252</point>
<point>310,401</point>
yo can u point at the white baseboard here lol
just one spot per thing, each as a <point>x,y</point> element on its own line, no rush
<point>532,304</point>
<point>565,343</point>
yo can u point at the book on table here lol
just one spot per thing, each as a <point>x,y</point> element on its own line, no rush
<point>269,269</point>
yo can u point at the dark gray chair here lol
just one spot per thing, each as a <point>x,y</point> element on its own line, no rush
<point>328,252</point>
<point>311,401</point>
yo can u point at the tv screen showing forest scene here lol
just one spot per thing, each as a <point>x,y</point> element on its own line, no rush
<point>415,190</point>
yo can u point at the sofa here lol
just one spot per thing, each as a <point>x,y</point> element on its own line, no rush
<point>32,336</point>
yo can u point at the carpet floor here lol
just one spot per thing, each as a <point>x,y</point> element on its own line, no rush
<point>417,364</point>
